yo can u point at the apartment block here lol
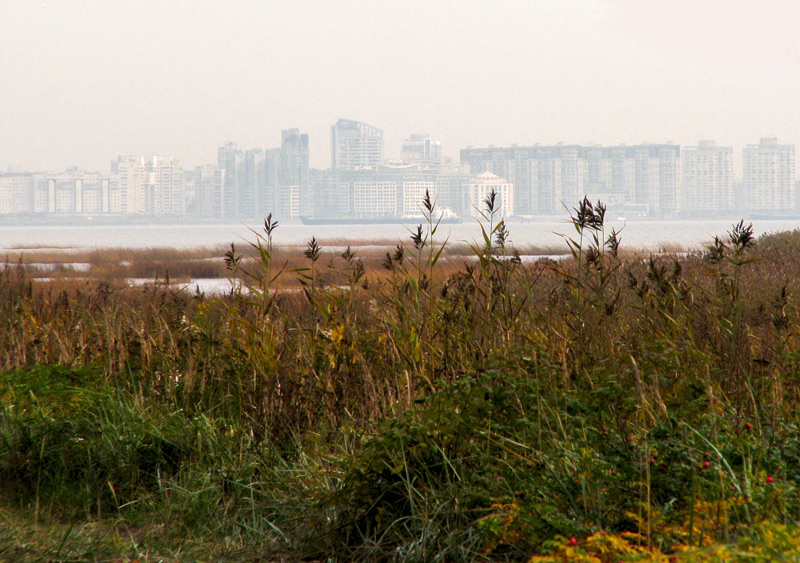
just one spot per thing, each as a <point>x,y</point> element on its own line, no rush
<point>355,145</point>
<point>262,181</point>
<point>768,178</point>
<point>17,193</point>
<point>388,191</point>
<point>550,179</point>
<point>207,187</point>
<point>149,185</point>
<point>707,189</point>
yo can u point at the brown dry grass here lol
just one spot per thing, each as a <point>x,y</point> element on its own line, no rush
<point>182,265</point>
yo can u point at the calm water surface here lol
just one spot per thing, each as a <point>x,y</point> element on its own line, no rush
<point>635,234</point>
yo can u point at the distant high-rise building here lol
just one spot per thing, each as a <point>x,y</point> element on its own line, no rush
<point>230,159</point>
<point>148,185</point>
<point>16,193</point>
<point>327,201</point>
<point>250,184</point>
<point>294,196</point>
<point>273,167</point>
<point>165,190</point>
<point>245,181</point>
<point>132,176</point>
<point>707,188</point>
<point>259,181</point>
<point>294,158</point>
<point>422,148</point>
<point>355,145</point>
<point>41,193</point>
<point>66,193</point>
<point>551,179</point>
<point>768,178</point>
<point>657,178</point>
<point>208,183</point>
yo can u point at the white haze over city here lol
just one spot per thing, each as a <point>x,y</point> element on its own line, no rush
<point>83,82</point>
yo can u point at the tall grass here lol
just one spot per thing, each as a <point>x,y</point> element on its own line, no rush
<point>333,408</point>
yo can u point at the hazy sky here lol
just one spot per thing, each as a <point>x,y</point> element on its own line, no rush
<point>84,81</point>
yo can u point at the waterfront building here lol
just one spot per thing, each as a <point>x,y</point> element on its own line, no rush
<point>262,181</point>
<point>16,193</point>
<point>452,193</point>
<point>369,193</point>
<point>207,186</point>
<point>355,145</point>
<point>657,178</point>
<point>230,159</point>
<point>165,187</point>
<point>550,180</point>
<point>131,174</point>
<point>93,199</point>
<point>148,185</point>
<point>390,191</point>
<point>72,192</point>
<point>414,191</point>
<point>768,178</point>
<point>480,188</point>
<point>294,195</point>
<point>707,188</point>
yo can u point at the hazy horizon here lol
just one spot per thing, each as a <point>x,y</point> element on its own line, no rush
<point>84,82</point>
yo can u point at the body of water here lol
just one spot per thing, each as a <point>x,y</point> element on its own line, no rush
<point>635,234</point>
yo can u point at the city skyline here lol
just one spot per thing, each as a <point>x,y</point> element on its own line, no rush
<point>645,180</point>
<point>82,85</point>
<point>443,152</point>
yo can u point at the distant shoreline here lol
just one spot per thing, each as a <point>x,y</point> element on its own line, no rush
<point>105,221</point>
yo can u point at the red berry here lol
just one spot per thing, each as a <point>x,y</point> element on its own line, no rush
<point>747,426</point>
<point>706,465</point>
<point>573,542</point>
<point>769,479</point>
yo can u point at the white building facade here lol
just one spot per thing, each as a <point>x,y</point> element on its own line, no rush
<point>480,188</point>
<point>768,178</point>
<point>149,185</point>
<point>707,188</point>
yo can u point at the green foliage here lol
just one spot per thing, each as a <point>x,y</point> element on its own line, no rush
<point>69,441</point>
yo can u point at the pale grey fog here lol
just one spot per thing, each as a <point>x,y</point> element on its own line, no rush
<point>350,112</point>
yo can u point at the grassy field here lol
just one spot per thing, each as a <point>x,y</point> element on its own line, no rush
<point>400,406</point>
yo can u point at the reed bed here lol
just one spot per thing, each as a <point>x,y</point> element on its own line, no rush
<point>403,407</point>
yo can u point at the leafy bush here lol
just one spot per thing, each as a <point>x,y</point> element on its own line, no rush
<point>67,440</point>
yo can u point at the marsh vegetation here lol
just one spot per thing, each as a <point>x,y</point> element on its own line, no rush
<point>334,406</point>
